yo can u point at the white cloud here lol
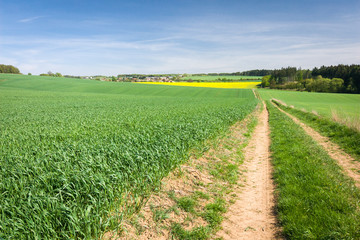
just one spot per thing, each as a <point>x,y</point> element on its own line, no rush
<point>189,46</point>
<point>27,20</point>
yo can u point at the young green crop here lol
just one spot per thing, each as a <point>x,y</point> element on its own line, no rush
<point>76,156</point>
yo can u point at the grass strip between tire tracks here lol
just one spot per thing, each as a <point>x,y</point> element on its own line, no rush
<point>315,200</point>
<point>345,137</point>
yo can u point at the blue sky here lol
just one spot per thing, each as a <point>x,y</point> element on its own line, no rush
<point>181,36</point>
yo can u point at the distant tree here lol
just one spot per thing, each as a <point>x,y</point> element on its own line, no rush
<point>309,83</point>
<point>29,74</point>
<point>336,85</point>
<point>51,74</point>
<point>284,75</point>
<point>256,72</point>
<point>351,87</point>
<point>265,81</point>
<point>272,82</point>
<point>9,69</point>
<point>299,75</point>
<point>306,74</point>
<point>320,84</point>
<point>349,73</point>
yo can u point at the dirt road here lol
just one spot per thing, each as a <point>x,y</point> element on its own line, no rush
<point>251,216</point>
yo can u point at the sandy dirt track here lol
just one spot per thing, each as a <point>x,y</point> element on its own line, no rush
<point>252,216</point>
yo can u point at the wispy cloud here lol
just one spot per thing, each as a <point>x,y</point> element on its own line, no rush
<point>190,45</point>
<point>27,20</point>
<point>181,36</point>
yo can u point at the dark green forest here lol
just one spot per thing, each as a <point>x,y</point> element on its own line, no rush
<point>255,72</point>
<point>349,73</point>
<point>340,78</point>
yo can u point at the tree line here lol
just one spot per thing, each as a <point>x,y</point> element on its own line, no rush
<point>8,69</point>
<point>255,72</point>
<point>349,73</point>
<point>340,78</point>
<point>51,74</point>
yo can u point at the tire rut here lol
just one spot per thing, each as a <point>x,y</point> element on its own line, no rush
<point>252,215</point>
<point>348,163</point>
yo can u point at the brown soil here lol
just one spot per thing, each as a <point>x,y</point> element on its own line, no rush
<point>252,216</point>
<point>348,163</point>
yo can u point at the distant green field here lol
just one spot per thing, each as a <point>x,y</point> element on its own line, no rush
<point>53,84</point>
<point>214,78</point>
<point>326,104</point>
<point>76,156</point>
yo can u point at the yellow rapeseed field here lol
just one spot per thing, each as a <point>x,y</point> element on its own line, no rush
<point>208,84</point>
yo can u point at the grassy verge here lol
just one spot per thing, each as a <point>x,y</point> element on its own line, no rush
<point>345,137</point>
<point>315,200</point>
<point>212,202</point>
